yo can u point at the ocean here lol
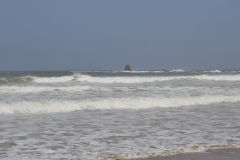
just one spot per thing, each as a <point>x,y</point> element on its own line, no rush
<point>101,115</point>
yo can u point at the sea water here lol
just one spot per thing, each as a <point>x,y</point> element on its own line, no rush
<point>99,115</point>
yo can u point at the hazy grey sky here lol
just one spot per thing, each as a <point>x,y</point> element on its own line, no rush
<point>107,34</point>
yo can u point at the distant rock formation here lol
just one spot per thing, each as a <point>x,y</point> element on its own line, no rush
<point>128,68</point>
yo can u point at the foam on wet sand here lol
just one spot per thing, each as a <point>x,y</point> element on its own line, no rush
<point>211,154</point>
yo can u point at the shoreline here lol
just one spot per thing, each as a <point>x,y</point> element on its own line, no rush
<point>211,154</point>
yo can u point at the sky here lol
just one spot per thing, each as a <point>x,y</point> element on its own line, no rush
<point>107,34</point>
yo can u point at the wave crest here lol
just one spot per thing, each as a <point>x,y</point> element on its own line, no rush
<point>110,103</point>
<point>118,79</point>
<point>16,80</point>
<point>138,79</point>
<point>37,89</point>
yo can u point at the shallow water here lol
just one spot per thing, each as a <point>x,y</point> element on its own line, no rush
<point>98,115</point>
<point>122,133</point>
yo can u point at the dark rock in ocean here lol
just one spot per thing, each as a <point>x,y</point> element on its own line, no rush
<point>128,68</point>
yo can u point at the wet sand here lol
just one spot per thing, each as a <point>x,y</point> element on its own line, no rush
<point>216,154</point>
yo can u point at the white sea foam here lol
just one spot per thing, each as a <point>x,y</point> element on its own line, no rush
<point>177,70</point>
<point>217,77</point>
<point>23,79</point>
<point>136,79</point>
<point>36,89</point>
<point>54,79</point>
<point>111,103</point>
<point>87,78</point>
<point>129,118</point>
<point>177,151</point>
<point>144,71</point>
<point>118,79</point>
<point>214,71</point>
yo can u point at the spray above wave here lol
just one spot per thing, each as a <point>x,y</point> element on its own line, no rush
<point>111,103</point>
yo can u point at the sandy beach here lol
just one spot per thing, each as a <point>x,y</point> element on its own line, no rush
<point>216,154</point>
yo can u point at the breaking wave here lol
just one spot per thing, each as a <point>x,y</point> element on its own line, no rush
<point>117,79</point>
<point>36,89</point>
<point>16,79</point>
<point>176,70</point>
<point>111,103</point>
<point>214,71</point>
<point>54,79</point>
<point>86,78</point>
